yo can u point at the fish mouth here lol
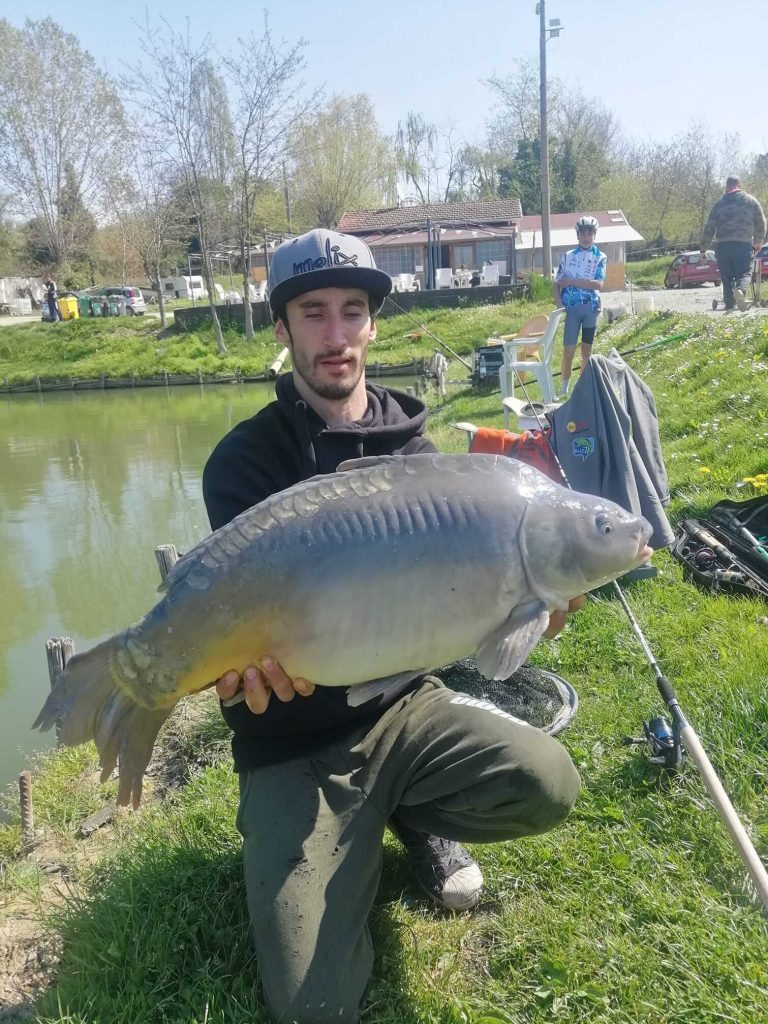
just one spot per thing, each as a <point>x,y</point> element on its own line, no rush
<point>644,551</point>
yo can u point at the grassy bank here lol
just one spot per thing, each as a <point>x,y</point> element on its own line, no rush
<point>648,272</point>
<point>119,347</point>
<point>635,912</point>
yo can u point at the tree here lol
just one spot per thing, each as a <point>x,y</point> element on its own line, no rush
<point>268,106</point>
<point>341,161</point>
<point>148,216</point>
<point>428,160</point>
<point>61,128</point>
<point>178,96</point>
<point>583,138</point>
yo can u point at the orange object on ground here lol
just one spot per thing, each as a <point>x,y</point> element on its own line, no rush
<point>531,447</point>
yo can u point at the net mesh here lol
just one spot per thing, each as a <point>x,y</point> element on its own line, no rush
<point>532,694</point>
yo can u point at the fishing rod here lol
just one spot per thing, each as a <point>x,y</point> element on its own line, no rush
<point>665,742</point>
<point>427,331</point>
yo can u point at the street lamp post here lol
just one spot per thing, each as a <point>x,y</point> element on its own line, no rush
<point>550,31</point>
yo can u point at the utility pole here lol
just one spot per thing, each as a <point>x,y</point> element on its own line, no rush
<point>545,32</point>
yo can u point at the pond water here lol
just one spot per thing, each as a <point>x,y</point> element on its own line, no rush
<point>90,484</point>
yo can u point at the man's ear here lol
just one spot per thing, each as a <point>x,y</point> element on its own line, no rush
<point>372,330</point>
<point>281,332</point>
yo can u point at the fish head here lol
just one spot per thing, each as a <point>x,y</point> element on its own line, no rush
<point>580,542</point>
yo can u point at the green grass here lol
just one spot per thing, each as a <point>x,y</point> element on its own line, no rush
<point>648,272</point>
<point>636,911</point>
<point>119,347</point>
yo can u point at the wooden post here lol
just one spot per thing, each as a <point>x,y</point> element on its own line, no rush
<point>409,391</point>
<point>199,375</point>
<point>27,813</point>
<point>7,385</point>
<point>167,556</point>
<point>39,385</point>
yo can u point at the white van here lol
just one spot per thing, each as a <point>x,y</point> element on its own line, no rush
<point>134,300</point>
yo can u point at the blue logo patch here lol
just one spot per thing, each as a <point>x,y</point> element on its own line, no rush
<point>583,447</point>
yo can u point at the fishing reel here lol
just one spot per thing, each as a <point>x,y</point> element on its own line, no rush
<point>663,741</point>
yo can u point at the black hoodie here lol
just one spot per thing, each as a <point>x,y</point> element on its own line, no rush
<point>284,443</point>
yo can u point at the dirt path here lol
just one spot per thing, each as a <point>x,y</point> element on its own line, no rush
<point>688,300</point>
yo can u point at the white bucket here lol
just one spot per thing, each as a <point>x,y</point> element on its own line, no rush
<point>644,304</point>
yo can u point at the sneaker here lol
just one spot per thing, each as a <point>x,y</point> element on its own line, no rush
<point>443,868</point>
<point>741,301</point>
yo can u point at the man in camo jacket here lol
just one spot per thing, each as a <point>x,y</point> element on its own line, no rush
<point>737,223</point>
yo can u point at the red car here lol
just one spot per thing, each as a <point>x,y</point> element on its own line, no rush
<point>688,269</point>
<point>763,257</point>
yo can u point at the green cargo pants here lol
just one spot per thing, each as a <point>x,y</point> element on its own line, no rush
<point>313,827</point>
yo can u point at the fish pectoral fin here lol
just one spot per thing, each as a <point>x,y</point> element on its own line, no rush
<point>367,460</point>
<point>507,647</point>
<point>389,685</point>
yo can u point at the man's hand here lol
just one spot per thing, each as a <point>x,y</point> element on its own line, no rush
<point>557,618</point>
<point>258,684</point>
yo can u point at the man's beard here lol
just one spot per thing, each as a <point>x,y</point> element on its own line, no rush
<point>333,390</point>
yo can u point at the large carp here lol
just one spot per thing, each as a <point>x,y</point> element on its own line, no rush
<point>365,578</point>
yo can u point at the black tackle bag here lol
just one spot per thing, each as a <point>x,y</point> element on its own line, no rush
<point>727,551</point>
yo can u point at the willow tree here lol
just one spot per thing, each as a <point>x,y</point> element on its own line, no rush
<point>341,161</point>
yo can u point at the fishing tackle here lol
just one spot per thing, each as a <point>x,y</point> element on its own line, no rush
<point>666,740</point>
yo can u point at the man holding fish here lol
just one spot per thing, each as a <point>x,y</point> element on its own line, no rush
<point>320,776</point>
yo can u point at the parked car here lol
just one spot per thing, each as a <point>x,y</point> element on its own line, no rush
<point>763,256</point>
<point>688,269</point>
<point>134,300</point>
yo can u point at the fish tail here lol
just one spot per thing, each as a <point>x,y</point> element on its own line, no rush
<point>88,704</point>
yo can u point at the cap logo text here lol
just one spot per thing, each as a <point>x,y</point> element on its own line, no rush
<point>334,257</point>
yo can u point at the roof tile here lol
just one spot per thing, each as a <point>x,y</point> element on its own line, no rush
<point>483,211</point>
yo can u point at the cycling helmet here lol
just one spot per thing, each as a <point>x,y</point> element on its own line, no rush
<point>587,222</point>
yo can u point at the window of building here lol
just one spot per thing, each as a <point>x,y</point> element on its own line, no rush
<point>464,256</point>
<point>395,259</point>
<point>497,250</point>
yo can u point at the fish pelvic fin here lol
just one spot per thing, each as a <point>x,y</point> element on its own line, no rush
<point>88,703</point>
<point>390,686</point>
<point>506,648</point>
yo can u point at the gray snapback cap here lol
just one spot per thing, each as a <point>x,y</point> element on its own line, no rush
<point>324,259</point>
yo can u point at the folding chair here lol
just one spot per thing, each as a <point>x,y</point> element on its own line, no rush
<point>515,351</point>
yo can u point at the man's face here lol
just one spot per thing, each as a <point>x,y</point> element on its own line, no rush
<point>328,333</point>
<point>586,237</point>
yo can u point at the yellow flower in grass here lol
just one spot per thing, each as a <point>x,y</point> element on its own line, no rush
<point>704,469</point>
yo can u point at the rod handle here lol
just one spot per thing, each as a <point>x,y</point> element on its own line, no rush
<point>729,817</point>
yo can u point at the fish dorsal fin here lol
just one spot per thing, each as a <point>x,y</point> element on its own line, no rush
<point>389,685</point>
<point>367,460</point>
<point>506,648</point>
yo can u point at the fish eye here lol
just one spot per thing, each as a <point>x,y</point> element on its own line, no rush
<point>603,523</point>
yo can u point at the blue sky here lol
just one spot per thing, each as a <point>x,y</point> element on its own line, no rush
<point>656,65</point>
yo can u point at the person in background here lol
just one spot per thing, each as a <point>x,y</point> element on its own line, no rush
<point>578,282</point>
<point>320,781</point>
<point>737,223</point>
<point>54,313</point>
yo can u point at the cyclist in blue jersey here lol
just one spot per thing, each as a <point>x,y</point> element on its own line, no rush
<point>578,282</point>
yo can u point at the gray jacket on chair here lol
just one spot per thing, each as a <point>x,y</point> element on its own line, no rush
<point>607,439</point>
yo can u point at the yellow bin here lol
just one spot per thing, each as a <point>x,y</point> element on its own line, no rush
<point>69,308</point>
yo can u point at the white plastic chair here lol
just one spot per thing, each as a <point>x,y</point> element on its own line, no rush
<point>490,275</point>
<point>514,352</point>
<point>443,277</point>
